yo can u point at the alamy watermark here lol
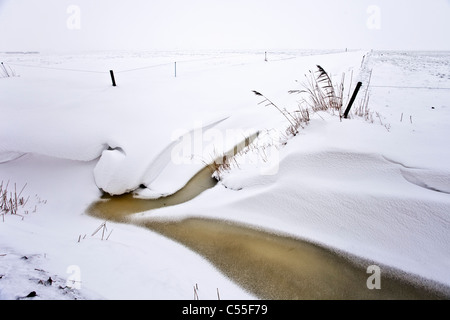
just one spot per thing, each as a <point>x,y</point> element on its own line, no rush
<point>73,21</point>
<point>204,145</point>
<point>374,19</point>
<point>74,279</point>
<point>374,280</point>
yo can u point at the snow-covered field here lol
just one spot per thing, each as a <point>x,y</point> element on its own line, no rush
<point>377,188</point>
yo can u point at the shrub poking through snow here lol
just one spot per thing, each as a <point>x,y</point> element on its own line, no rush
<point>221,164</point>
<point>322,94</point>
<point>11,202</point>
<point>268,102</point>
<point>318,94</point>
<point>14,203</point>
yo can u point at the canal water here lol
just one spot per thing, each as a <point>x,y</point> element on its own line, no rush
<point>268,265</point>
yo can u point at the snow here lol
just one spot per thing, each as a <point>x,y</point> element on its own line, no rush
<point>376,189</point>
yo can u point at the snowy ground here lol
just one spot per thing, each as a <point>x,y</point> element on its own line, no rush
<point>377,189</point>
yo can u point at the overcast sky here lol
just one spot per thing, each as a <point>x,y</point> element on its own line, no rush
<point>78,25</point>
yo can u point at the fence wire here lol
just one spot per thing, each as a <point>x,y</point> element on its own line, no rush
<point>198,60</point>
<point>406,87</point>
<point>53,68</point>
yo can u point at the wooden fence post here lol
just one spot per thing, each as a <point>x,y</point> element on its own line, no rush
<point>112,78</point>
<point>358,86</point>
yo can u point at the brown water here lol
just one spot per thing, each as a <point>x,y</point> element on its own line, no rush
<point>269,266</point>
<point>117,208</point>
<point>275,267</point>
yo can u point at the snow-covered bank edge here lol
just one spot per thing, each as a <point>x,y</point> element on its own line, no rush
<point>384,217</point>
<point>59,241</point>
<point>297,201</point>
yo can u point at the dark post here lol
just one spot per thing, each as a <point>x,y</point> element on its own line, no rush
<point>265,56</point>
<point>175,69</point>
<point>112,78</point>
<point>358,86</point>
<point>6,71</point>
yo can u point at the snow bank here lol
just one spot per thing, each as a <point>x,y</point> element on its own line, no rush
<point>377,189</point>
<point>354,201</point>
<point>59,112</point>
<point>59,242</point>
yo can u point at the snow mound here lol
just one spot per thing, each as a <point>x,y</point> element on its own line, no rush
<point>358,203</point>
<point>121,170</point>
<point>9,156</point>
